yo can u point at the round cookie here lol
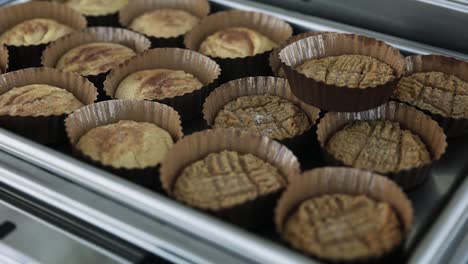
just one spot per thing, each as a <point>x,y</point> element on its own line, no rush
<point>34,32</point>
<point>226,179</point>
<point>269,115</point>
<point>127,144</point>
<point>236,42</point>
<point>436,92</point>
<point>38,99</point>
<point>164,23</point>
<point>380,146</point>
<point>94,58</point>
<point>97,7</point>
<point>353,71</point>
<point>157,84</point>
<point>344,227</point>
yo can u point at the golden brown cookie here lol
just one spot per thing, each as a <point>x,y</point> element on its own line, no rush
<point>236,42</point>
<point>96,7</point>
<point>436,92</point>
<point>225,179</point>
<point>94,58</point>
<point>344,227</point>
<point>380,146</point>
<point>157,84</point>
<point>353,71</point>
<point>164,23</point>
<point>268,115</point>
<point>127,144</point>
<point>38,99</point>
<point>34,32</point>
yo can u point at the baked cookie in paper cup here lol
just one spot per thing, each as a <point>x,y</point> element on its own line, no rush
<point>164,22</point>
<point>129,138</point>
<point>344,215</point>
<point>342,72</point>
<point>104,13</point>
<point>3,59</point>
<point>263,105</point>
<point>28,28</point>
<point>34,102</point>
<point>438,85</point>
<point>395,140</point>
<point>240,41</point>
<point>274,60</point>
<point>229,173</point>
<point>93,52</point>
<point>177,77</point>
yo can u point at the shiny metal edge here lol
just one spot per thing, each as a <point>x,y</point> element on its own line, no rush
<point>257,250</point>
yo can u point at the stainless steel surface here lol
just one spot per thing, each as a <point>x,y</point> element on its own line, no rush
<point>9,255</point>
<point>44,243</point>
<point>184,235</point>
<point>440,23</point>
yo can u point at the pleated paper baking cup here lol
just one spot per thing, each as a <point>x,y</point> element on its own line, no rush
<point>232,90</point>
<point>104,19</point>
<point>233,68</point>
<point>409,118</point>
<point>453,126</point>
<point>127,38</point>
<point>30,56</point>
<point>44,129</point>
<point>333,97</point>
<point>275,62</point>
<point>198,8</point>
<point>197,146</point>
<point>338,180</point>
<point>3,59</point>
<point>189,105</point>
<point>113,111</point>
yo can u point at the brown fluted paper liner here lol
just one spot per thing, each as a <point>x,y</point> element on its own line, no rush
<point>136,8</point>
<point>30,56</point>
<point>44,129</point>
<point>109,112</point>
<point>453,127</point>
<point>233,68</point>
<point>275,62</point>
<point>188,105</point>
<point>3,59</point>
<point>338,180</point>
<point>332,97</point>
<point>232,90</point>
<point>409,118</point>
<point>130,39</point>
<point>198,145</point>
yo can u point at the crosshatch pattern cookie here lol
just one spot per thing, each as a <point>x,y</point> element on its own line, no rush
<point>38,99</point>
<point>226,179</point>
<point>344,226</point>
<point>236,42</point>
<point>94,58</point>
<point>436,92</point>
<point>268,115</point>
<point>354,71</point>
<point>380,146</point>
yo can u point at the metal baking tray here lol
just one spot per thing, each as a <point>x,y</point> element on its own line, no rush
<point>181,234</point>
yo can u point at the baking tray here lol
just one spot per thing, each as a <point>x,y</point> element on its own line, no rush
<point>434,201</point>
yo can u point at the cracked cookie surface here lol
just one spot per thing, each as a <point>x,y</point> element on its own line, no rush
<point>380,146</point>
<point>94,58</point>
<point>353,71</point>
<point>344,227</point>
<point>157,84</point>
<point>436,92</point>
<point>96,7</point>
<point>236,42</point>
<point>38,99</point>
<point>268,115</point>
<point>226,179</point>
<point>127,144</point>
